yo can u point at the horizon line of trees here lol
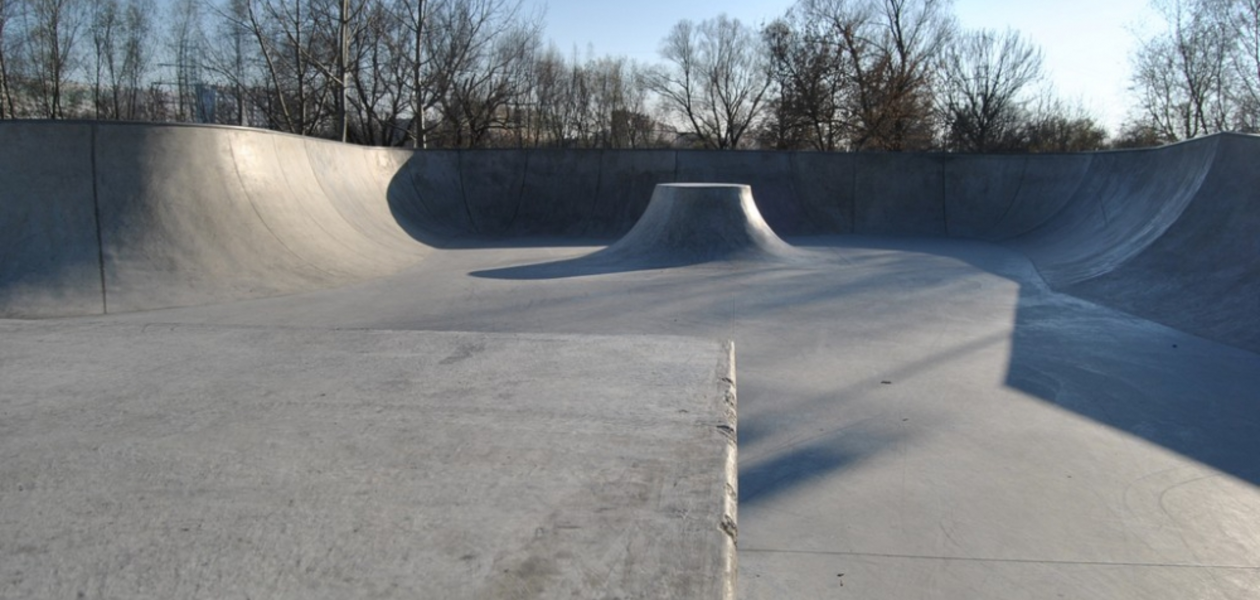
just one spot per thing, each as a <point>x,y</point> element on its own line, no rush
<point>827,75</point>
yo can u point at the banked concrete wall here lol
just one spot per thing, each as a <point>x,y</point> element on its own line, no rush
<point>1171,234</point>
<point>111,217</point>
<point>114,217</point>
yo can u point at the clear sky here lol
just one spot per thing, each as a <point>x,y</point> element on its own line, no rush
<point>1086,43</point>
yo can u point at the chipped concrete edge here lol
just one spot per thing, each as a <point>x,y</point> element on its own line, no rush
<point>730,499</point>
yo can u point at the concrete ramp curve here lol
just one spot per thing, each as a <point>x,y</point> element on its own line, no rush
<point>1166,233</point>
<point>492,373</point>
<point>104,217</point>
<point>107,217</point>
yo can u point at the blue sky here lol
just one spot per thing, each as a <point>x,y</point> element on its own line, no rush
<point>1087,43</point>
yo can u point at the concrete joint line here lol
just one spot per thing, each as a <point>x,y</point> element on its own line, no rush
<point>96,216</point>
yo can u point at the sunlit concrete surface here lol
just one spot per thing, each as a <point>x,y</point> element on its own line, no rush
<point>1025,444</point>
<point>175,461</point>
<point>986,377</point>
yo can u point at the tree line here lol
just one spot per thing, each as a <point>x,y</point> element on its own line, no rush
<point>828,75</point>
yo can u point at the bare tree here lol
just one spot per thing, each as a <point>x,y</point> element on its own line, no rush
<point>7,108</point>
<point>481,52</point>
<point>104,23</point>
<point>986,76</point>
<point>299,97</point>
<point>448,49</point>
<point>415,16</point>
<point>1181,77</point>
<point>1246,63</point>
<point>378,71</point>
<point>551,118</point>
<point>186,42</point>
<point>618,103</point>
<point>890,50</point>
<point>1053,125</point>
<point>717,80</point>
<point>54,30</point>
<point>598,103</point>
<point>127,82</point>
<point>813,78</point>
<point>231,59</point>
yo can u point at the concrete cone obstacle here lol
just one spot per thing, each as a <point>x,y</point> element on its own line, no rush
<point>685,224</point>
<point>689,223</point>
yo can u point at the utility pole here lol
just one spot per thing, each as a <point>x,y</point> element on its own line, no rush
<point>343,68</point>
<point>238,33</point>
<point>417,118</point>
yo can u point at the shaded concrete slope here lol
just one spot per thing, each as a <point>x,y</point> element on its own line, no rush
<point>50,259</point>
<point>106,217</point>
<point>509,193</point>
<point>1202,274</point>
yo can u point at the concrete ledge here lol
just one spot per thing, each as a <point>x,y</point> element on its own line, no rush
<point>183,462</point>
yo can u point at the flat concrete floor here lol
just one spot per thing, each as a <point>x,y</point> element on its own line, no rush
<point>918,418</point>
<point>178,461</point>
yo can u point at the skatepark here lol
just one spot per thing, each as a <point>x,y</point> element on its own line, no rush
<point>237,363</point>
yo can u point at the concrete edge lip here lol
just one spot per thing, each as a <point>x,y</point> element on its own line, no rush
<point>728,394</point>
<point>699,184</point>
<point>453,465</point>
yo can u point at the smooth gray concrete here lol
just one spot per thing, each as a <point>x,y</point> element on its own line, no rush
<point>694,223</point>
<point>50,252</point>
<point>172,461</point>
<point>111,217</point>
<point>176,216</point>
<point>954,409</point>
<point>924,416</point>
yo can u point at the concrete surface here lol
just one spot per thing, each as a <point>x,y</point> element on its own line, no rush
<point>178,216</point>
<point>695,223</point>
<point>924,416</point>
<point>113,217</point>
<point>169,461</point>
<point>50,252</point>
<point>993,376</point>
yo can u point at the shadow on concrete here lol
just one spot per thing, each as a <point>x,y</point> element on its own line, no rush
<point>597,263</point>
<point>825,454</point>
<point>1186,394</point>
<point>608,261</point>
<point>1192,396</point>
<point>1189,395</point>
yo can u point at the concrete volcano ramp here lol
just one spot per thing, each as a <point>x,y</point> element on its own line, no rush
<point>685,224</point>
<point>688,223</point>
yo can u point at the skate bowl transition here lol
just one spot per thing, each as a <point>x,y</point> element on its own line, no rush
<point>506,373</point>
<point>114,218</point>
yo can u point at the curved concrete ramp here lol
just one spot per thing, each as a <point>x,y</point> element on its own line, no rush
<point>994,436</point>
<point>1201,273</point>
<point>120,217</point>
<point>1162,233</point>
<point>105,217</point>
